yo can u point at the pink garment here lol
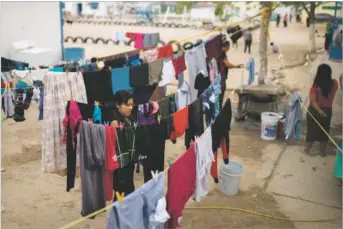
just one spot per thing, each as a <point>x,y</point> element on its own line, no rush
<point>139,40</point>
<point>73,118</point>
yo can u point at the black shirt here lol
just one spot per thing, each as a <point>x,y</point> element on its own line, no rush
<point>201,83</point>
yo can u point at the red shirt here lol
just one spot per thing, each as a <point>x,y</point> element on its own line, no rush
<point>111,162</point>
<point>181,185</point>
<point>323,101</point>
<point>179,64</point>
<point>165,51</point>
<point>180,119</point>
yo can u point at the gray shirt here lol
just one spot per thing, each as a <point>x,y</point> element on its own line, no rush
<point>247,35</point>
<point>91,148</point>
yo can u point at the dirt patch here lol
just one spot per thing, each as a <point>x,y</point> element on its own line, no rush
<point>254,200</point>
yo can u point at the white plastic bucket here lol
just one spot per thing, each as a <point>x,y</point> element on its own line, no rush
<point>230,177</point>
<point>269,122</point>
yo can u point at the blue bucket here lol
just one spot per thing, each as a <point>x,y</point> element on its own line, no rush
<point>74,54</point>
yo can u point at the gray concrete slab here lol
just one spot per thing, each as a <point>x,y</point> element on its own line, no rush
<point>305,177</point>
<point>302,210</point>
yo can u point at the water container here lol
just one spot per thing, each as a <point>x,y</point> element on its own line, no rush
<point>74,54</point>
<point>269,123</point>
<point>230,177</point>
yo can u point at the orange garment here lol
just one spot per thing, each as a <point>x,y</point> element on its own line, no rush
<point>180,123</point>
<point>111,161</point>
<point>165,51</point>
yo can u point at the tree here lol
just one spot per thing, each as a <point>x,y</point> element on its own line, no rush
<point>310,8</point>
<point>267,8</point>
<point>187,4</point>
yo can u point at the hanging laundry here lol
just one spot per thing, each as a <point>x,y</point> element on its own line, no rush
<point>36,94</point>
<point>180,78</point>
<point>7,65</point>
<point>63,86</point>
<point>195,122</point>
<point>214,69</point>
<point>116,63</point>
<point>129,213</point>
<point>196,63</point>
<point>7,101</point>
<point>97,116</point>
<point>204,159</point>
<point>201,83</point>
<point>91,67</point>
<point>168,73</point>
<point>150,147</point>
<point>86,111</point>
<point>181,185</point>
<point>111,161</point>
<point>133,60</point>
<point>143,94</point>
<point>183,96</point>
<point>179,64</point>
<point>19,109</point>
<point>56,69</point>
<point>220,131</point>
<point>180,123</point>
<point>155,202</point>
<point>98,86</point>
<point>120,79</point>
<point>147,113</point>
<point>137,38</point>
<point>293,118</point>
<point>251,69</point>
<point>165,51</point>
<point>41,104</point>
<point>139,75</point>
<point>72,118</point>
<point>151,40</point>
<point>123,180</point>
<point>149,55</point>
<point>208,105</point>
<point>126,146</point>
<point>159,93</point>
<point>215,98</point>
<point>118,36</point>
<point>91,148</point>
<point>213,48</point>
<point>155,71</point>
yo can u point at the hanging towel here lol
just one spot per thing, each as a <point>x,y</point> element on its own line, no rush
<point>251,68</point>
<point>118,36</point>
<point>293,118</point>
<point>120,79</point>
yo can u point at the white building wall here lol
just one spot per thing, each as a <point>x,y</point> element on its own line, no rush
<point>38,22</point>
<point>204,13</point>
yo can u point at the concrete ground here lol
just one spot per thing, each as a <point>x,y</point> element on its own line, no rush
<point>278,180</point>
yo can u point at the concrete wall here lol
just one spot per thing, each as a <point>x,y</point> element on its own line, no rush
<point>39,22</point>
<point>205,13</point>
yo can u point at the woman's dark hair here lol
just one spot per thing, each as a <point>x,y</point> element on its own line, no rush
<point>122,97</point>
<point>323,79</point>
<point>226,44</point>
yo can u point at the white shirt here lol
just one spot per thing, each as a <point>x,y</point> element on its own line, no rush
<point>183,96</point>
<point>204,159</point>
<point>168,72</point>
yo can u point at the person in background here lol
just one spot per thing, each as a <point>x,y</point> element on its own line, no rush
<point>224,66</point>
<point>247,40</point>
<point>290,17</point>
<point>278,19</point>
<point>285,20</point>
<point>322,94</point>
<point>275,49</point>
<point>122,114</point>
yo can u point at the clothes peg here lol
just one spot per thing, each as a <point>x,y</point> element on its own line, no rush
<point>135,124</point>
<point>120,197</point>
<point>170,162</point>
<point>90,120</point>
<point>106,123</point>
<point>159,118</point>
<point>154,174</point>
<point>121,125</point>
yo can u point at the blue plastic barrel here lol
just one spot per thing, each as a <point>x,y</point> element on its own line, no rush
<point>74,54</point>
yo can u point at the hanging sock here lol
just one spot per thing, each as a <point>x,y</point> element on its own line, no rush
<point>19,107</point>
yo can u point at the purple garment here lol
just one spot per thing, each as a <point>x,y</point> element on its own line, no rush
<point>144,116</point>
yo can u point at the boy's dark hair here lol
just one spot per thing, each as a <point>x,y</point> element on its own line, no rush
<point>93,60</point>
